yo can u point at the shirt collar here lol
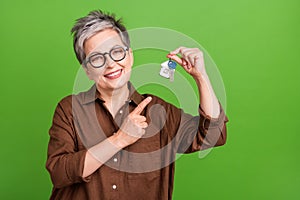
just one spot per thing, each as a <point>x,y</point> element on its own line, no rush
<point>93,94</point>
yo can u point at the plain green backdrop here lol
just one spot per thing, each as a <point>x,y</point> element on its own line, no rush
<point>255,44</point>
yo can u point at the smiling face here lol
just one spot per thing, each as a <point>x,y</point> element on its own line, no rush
<point>112,75</point>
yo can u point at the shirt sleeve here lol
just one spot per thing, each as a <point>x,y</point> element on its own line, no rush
<point>201,132</point>
<point>64,162</point>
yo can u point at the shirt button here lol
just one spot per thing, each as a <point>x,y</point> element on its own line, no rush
<point>114,187</point>
<point>115,159</point>
<point>121,111</point>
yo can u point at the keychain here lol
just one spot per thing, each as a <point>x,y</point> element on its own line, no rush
<point>168,69</point>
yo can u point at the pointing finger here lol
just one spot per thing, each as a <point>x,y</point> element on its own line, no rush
<point>138,110</point>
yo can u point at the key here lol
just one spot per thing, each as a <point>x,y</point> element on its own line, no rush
<point>172,66</point>
<point>171,74</point>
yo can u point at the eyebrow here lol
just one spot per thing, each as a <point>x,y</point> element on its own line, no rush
<point>102,52</point>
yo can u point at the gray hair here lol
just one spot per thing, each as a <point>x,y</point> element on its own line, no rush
<point>91,24</point>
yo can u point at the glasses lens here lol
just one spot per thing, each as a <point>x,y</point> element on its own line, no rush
<point>97,60</point>
<point>117,53</point>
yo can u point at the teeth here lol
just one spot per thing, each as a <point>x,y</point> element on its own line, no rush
<point>114,73</point>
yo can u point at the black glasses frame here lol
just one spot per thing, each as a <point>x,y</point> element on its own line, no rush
<point>88,60</point>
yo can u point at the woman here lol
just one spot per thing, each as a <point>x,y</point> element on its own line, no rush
<point>113,143</point>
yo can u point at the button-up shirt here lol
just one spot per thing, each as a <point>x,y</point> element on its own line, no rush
<point>143,170</point>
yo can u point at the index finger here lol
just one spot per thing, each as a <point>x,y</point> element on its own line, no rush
<point>177,59</point>
<point>138,110</point>
<point>178,50</point>
<point>181,61</point>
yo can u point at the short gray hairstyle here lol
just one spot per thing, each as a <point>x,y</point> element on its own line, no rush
<point>91,24</point>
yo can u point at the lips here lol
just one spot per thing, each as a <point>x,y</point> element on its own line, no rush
<point>114,74</point>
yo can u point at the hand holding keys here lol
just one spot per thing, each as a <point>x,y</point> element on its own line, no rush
<point>168,69</point>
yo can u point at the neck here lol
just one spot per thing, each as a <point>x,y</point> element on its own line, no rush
<point>116,98</point>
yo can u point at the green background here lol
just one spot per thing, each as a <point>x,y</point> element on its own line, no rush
<point>255,44</point>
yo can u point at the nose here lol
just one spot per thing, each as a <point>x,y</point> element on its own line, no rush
<point>109,62</point>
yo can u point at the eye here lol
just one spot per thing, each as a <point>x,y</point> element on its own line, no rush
<point>97,60</point>
<point>117,53</point>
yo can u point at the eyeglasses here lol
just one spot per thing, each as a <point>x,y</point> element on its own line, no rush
<point>98,60</point>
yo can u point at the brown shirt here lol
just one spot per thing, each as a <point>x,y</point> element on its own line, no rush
<point>143,170</point>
